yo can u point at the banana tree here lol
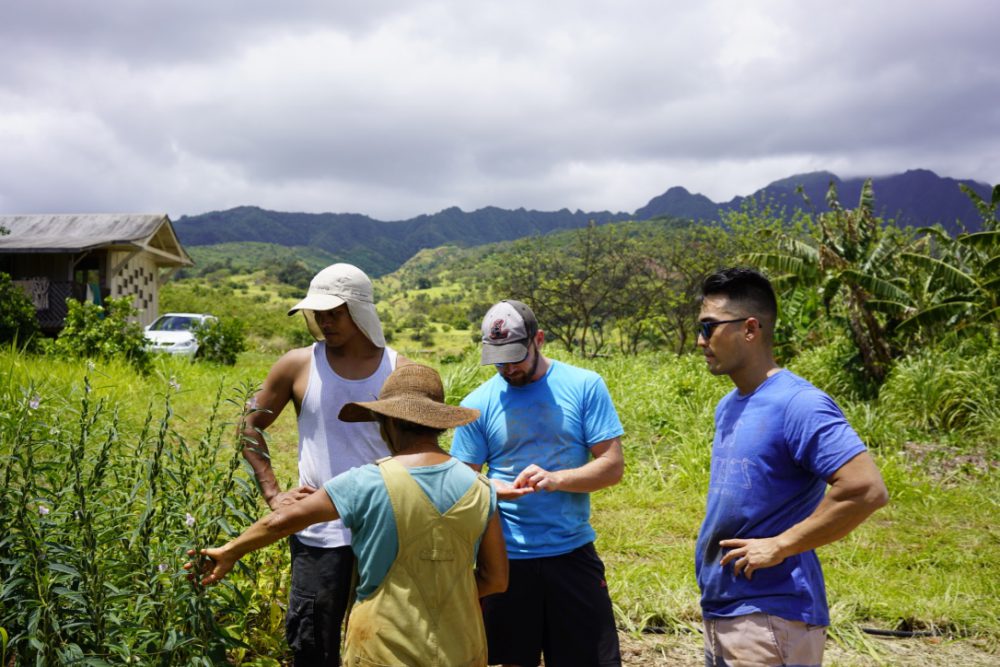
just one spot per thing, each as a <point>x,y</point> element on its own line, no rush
<point>963,274</point>
<point>850,260</point>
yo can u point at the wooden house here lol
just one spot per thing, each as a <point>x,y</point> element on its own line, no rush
<point>90,257</point>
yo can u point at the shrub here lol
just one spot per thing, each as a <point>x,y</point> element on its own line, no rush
<point>221,340</point>
<point>17,315</point>
<point>104,332</point>
<point>97,519</point>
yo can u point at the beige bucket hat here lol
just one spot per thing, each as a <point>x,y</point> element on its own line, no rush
<point>413,393</point>
<point>338,284</point>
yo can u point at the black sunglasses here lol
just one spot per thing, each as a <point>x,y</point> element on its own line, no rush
<point>706,329</point>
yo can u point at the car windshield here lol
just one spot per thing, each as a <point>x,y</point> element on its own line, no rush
<point>173,323</point>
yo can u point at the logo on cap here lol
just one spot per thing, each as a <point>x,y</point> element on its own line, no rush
<point>497,332</point>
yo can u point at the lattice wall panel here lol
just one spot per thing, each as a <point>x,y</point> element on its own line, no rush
<point>137,279</point>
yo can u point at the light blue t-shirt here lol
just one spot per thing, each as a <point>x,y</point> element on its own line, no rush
<point>363,503</point>
<point>552,422</point>
<point>773,451</point>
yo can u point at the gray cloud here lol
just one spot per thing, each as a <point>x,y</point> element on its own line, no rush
<point>395,109</point>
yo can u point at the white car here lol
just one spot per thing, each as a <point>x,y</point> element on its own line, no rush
<point>172,332</point>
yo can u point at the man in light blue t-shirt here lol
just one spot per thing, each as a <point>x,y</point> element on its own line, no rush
<point>779,442</point>
<point>550,435</point>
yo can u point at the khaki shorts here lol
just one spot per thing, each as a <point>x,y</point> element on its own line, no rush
<point>762,639</point>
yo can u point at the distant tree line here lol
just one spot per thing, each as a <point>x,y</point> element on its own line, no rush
<point>843,272</point>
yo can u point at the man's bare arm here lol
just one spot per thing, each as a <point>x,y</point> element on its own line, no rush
<point>275,393</point>
<point>281,523</point>
<point>856,491</point>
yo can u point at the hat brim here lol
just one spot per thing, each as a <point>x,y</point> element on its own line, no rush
<point>419,410</point>
<point>508,353</point>
<point>317,302</point>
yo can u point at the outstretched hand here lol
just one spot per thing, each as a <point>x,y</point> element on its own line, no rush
<point>750,555</point>
<point>215,565</point>
<point>507,491</point>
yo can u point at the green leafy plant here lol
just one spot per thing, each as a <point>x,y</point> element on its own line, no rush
<point>17,315</point>
<point>98,519</point>
<point>850,260</point>
<point>221,340</point>
<point>103,332</point>
<point>961,288</point>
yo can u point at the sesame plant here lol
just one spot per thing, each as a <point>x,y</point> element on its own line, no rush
<point>97,517</point>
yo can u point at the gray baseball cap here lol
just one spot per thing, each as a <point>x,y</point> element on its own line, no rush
<point>508,329</point>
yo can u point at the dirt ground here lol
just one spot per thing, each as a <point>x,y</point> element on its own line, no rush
<point>686,651</point>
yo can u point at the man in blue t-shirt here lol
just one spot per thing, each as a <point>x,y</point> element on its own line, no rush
<point>779,442</point>
<point>550,435</point>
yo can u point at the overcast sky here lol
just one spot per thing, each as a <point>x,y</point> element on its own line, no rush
<point>395,108</point>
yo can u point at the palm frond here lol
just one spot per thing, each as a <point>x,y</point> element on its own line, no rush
<point>801,249</point>
<point>867,201</point>
<point>888,307</point>
<point>785,264</point>
<point>980,239</point>
<point>941,313</point>
<point>949,274</point>
<point>877,287</point>
<point>991,315</point>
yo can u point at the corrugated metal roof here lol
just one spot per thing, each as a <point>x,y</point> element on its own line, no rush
<point>79,232</point>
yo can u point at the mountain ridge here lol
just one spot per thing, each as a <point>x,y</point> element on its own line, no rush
<point>916,197</point>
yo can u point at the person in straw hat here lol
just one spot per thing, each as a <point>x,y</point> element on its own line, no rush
<point>417,518</point>
<point>348,362</point>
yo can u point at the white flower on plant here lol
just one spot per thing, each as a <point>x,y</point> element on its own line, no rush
<point>174,384</point>
<point>91,365</point>
<point>162,567</point>
<point>43,510</point>
<point>189,520</point>
<point>35,401</point>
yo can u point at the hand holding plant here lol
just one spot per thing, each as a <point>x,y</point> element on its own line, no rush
<point>215,564</point>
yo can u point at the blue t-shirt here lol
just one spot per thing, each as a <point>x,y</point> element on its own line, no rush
<point>552,422</point>
<point>773,451</point>
<point>363,503</point>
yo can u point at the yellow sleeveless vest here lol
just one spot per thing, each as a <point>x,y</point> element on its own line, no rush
<point>426,612</point>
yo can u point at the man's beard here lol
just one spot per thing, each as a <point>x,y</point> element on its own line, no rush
<point>520,381</point>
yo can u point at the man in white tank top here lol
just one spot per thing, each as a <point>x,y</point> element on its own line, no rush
<point>348,363</point>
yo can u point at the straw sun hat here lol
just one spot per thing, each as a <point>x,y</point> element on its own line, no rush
<point>413,393</point>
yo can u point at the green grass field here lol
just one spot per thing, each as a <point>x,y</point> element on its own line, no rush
<point>926,562</point>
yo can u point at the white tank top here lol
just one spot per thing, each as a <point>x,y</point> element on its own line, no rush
<point>328,446</point>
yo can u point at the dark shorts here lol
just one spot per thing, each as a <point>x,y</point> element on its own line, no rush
<point>557,606</point>
<point>321,587</point>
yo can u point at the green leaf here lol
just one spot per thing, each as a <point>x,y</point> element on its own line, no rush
<point>950,275</point>
<point>937,314</point>
<point>62,567</point>
<point>980,239</point>
<point>877,287</point>
<point>888,307</point>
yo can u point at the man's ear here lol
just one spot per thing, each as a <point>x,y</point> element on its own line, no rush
<point>753,328</point>
<point>539,339</point>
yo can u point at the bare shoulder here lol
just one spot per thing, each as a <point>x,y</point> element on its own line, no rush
<point>403,361</point>
<point>291,364</point>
